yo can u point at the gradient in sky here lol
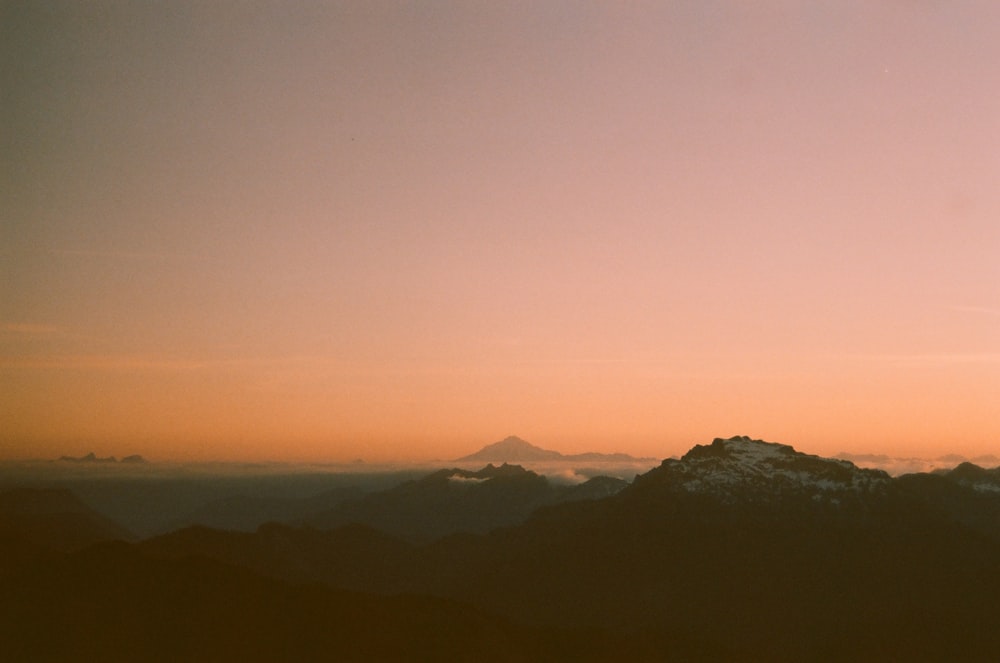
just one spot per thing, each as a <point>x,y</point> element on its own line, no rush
<point>404,230</point>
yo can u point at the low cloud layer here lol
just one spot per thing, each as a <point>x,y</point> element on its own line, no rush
<point>899,466</point>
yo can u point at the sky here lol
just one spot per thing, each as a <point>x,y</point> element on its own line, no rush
<point>404,230</point>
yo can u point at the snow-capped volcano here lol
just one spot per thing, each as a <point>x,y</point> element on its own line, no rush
<point>743,468</point>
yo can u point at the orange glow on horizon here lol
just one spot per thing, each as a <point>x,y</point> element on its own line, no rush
<point>386,234</point>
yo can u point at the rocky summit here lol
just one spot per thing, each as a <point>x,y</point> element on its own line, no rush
<point>744,469</point>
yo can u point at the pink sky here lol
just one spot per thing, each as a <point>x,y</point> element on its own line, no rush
<point>405,230</point>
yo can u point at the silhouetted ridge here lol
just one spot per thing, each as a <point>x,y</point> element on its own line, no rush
<point>492,471</point>
<point>978,477</point>
<point>89,458</point>
<point>454,500</point>
<point>248,512</point>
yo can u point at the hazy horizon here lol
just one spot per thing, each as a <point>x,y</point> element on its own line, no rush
<point>329,231</point>
<point>567,468</point>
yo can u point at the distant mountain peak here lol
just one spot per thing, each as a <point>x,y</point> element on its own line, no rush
<point>744,468</point>
<point>512,448</point>
<point>89,458</point>
<point>94,458</point>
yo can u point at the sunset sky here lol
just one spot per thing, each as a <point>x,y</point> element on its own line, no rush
<point>403,230</point>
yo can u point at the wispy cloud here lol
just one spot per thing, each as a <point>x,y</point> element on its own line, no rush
<point>116,254</point>
<point>139,362</point>
<point>942,359</point>
<point>102,363</point>
<point>897,466</point>
<point>28,329</point>
<point>457,479</point>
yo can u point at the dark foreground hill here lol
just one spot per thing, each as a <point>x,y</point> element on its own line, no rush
<point>112,603</point>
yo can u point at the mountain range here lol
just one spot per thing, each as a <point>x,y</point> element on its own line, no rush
<point>739,550</point>
<point>94,458</point>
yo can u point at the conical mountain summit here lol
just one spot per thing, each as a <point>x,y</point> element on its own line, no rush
<point>513,449</point>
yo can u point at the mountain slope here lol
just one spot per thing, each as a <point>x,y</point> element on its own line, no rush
<point>54,519</point>
<point>454,500</point>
